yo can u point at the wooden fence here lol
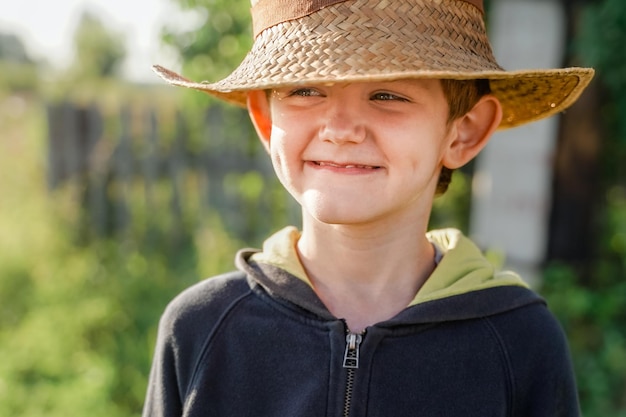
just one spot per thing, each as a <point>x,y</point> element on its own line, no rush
<point>139,166</point>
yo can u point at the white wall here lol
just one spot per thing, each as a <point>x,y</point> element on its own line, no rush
<point>511,189</point>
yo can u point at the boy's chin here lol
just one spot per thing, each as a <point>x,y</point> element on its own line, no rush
<point>336,213</point>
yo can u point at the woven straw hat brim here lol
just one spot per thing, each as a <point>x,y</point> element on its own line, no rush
<point>526,96</point>
<point>364,40</point>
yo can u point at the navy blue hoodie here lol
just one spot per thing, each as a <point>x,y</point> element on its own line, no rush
<point>258,342</point>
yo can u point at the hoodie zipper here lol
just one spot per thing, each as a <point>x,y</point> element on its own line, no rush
<point>351,363</point>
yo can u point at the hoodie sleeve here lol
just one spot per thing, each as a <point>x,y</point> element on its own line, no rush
<point>540,363</point>
<point>163,398</point>
<point>185,329</point>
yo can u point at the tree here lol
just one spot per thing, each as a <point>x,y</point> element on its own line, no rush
<point>586,288</point>
<point>19,71</point>
<point>220,41</point>
<point>12,49</point>
<point>99,52</point>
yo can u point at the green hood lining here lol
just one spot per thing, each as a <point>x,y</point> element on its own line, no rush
<point>462,268</point>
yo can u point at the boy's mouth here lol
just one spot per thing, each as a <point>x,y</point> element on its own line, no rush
<point>344,166</point>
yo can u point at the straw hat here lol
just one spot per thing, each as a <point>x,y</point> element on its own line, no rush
<point>327,41</point>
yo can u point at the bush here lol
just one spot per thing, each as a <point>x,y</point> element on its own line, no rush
<point>592,308</point>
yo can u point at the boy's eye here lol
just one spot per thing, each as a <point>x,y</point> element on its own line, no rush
<point>384,96</point>
<point>305,92</point>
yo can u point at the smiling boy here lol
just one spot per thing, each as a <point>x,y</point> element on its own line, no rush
<point>365,107</point>
<point>363,160</point>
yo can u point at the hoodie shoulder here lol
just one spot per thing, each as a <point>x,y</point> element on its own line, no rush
<point>204,301</point>
<point>540,361</point>
<point>191,317</point>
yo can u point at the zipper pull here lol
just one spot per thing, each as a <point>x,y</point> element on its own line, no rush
<point>351,355</point>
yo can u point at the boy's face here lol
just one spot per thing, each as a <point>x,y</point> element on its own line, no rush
<point>361,152</point>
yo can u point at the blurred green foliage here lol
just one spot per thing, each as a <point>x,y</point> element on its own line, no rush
<point>98,51</point>
<point>79,309</point>
<point>591,302</point>
<point>452,208</point>
<point>592,308</point>
<point>18,76</point>
<point>600,41</point>
<point>19,72</point>
<point>78,315</point>
<point>219,42</point>
<point>212,48</point>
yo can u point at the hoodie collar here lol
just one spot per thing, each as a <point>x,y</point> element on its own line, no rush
<point>462,268</point>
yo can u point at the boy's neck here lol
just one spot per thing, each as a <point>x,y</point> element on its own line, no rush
<point>362,274</point>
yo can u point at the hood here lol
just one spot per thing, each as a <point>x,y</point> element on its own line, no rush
<point>463,285</point>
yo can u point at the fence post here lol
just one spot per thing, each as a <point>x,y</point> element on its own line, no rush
<point>122,171</point>
<point>149,157</point>
<point>95,178</point>
<point>176,164</point>
<point>62,132</point>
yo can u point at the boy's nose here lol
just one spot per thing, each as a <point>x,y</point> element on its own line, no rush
<point>343,124</point>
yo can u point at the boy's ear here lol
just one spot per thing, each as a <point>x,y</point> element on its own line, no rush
<point>259,110</point>
<point>472,131</point>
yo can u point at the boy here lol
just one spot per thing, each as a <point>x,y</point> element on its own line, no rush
<point>365,107</point>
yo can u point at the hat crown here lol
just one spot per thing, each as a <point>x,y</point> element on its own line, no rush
<point>267,13</point>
